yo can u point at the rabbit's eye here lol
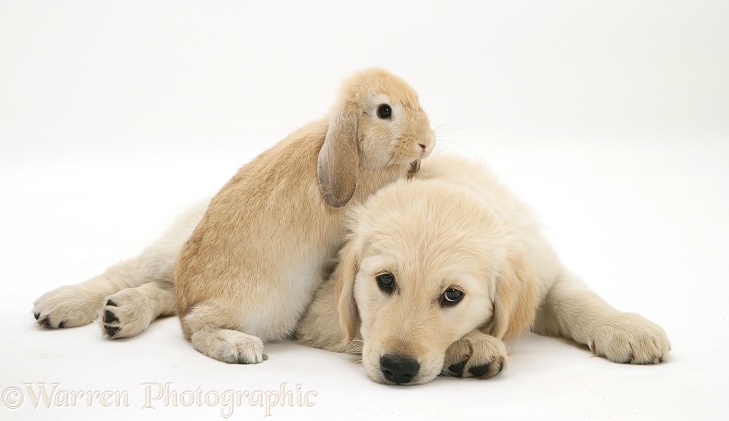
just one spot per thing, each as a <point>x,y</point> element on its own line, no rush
<point>386,282</point>
<point>384,111</point>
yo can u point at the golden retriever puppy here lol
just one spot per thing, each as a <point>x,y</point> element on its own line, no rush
<point>438,271</point>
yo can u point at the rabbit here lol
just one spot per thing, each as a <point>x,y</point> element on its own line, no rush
<point>250,268</point>
<point>438,271</point>
<point>258,250</point>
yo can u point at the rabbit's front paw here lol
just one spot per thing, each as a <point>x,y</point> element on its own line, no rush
<point>230,346</point>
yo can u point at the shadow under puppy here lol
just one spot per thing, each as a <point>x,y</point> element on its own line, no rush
<point>251,259</point>
<point>439,270</point>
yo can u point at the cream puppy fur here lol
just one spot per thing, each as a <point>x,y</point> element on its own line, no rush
<point>438,271</point>
<point>249,262</point>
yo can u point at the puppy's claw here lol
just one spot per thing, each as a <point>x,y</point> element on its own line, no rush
<point>45,322</point>
<point>111,330</point>
<point>479,370</point>
<point>457,368</point>
<point>109,317</point>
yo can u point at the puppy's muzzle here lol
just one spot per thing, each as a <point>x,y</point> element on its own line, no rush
<point>398,369</point>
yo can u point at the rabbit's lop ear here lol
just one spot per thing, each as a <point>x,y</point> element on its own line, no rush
<point>339,158</point>
<point>516,301</point>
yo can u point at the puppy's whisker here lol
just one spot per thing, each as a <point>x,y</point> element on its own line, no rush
<point>355,347</point>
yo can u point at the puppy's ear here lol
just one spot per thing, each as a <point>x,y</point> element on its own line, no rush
<point>339,158</point>
<point>517,299</point>
<point>344,277</point>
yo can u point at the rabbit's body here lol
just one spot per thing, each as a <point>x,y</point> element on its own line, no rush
<point>247,211</point>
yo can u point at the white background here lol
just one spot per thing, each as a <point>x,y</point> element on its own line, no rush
<point>610,118</point>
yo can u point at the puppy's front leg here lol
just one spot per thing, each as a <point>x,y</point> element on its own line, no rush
<point>573,311</point>
<point>475,355</point>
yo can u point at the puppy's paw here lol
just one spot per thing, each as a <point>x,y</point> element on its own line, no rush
<point>126,313</point>
<point>230,346</point>
<point>475,355</point>
<point>630,339</point>
<point>67,306</point>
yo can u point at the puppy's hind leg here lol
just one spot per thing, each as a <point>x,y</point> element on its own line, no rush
<point>206,327</point>
<point>141,285</point>
<point>78,305</point>
<point>573,311</point>
<point>130,311</point>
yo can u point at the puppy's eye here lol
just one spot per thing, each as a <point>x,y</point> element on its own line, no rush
<point>451,297</point>
<point>384,111</point>
<point>386,282</point>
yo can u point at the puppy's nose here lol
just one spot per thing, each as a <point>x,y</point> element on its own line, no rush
<point>398,369</point>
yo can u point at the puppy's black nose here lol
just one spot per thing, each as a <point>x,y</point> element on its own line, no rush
<point>398,369</point>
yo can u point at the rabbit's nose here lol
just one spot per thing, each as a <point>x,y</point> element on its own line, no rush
<point>424,151</point>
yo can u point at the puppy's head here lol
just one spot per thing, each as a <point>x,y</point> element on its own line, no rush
<point>426,263</point>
